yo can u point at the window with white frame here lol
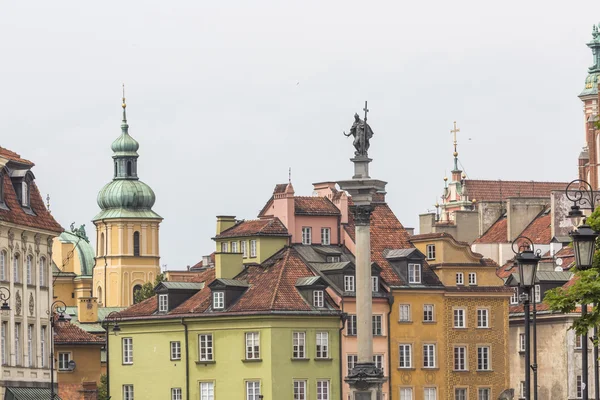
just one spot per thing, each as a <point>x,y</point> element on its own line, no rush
<point>375,284</point>
<point>322,344</point>
<point>306,235</point>
<point>404,312</point>
<point>299,345</point>
<point>205,347</point>
<point>244,249</point>
<point>522,390</point>
<point>318,297</point>
<point>16,269</point>
<point>349,283</point>
<point>579,387</point>
<point>538,294</point>
<point>127,392</point>
<point>218,300</point>
<point>484,394</point>
<point>252,346</point>
<point>30,355</point>
<point>323,390</point>
<point>299,390</point>
<point>163,302</point>
<point>514,299</point>
<point>430,393</point>
<point>459,318</point>
<point>405,356</point>
<point>522,342</point>
<point>18,353</point>
<point>378,360</point>
<point>351,325</point>
<point>483,358</point>
<point>29,270</point>
<point>430,251</point>
<point>3,342</point>
<point>63,361</point>
<point>460,278</point>
<point>460,394</point>
<point>326,236</point>
<point>406,393</point>
<point>176,394</point>
<point>42,345</point>
<point>429,355</point>
<point>3,256</point>
<point>127,344</point>
<point>414,273</point>
<point>252,390</point>
<point>42,272</point>
<point>472,278</point>
<point>460,358</point>
<point>428,313</point>
<point>175,350</point>
<point>252,248</point>
<point>483,318</point>
<point>377,325</point>
<point>333,259</point>
<point>25,193</point>
<point>224,247</point>
<point>352,360</point>
<point>207,391</point>
<point>234,247</point>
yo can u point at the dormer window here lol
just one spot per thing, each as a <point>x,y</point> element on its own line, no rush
<point>375,284</point>
<point>218,300</point>
<point>25,194</point>
<point>333,259</point>
<point>318,298</point>
<point>163,303</point>
<point>1,188</point>
<point>348,283</point>
<point>414,273</point>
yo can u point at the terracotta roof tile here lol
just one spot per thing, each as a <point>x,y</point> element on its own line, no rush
<point>491,190</point>
<point>497,233</point>
<point>67,333</point>
<point>257,227</point>
<point>539,230</point>
<point>507,269</point>
<point>12,156</point>
<point>145,307</point>
<point>314,206</point>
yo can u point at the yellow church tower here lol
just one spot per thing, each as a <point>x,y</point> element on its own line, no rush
<point>127,251</point>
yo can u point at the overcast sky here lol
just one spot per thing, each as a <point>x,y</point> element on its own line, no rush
<point>224,96</point>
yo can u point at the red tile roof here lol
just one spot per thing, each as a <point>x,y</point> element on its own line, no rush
<point>497,233</point>
<point>12,156</point>
<point>500,190</point>
<point>314,206</point>
<point>507,269</point>
<point>279,188</point>
<point>539,230</point>
<point>67,333</point>
<point>257,227</point>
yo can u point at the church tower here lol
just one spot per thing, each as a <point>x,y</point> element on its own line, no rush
<point>127,251</point>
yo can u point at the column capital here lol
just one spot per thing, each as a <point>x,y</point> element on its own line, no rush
<point>362,214</point>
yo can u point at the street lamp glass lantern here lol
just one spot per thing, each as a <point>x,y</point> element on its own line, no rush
<point>584,244</point>
<point>5,306</point>
<point>527,262</point>
<point>575,215</point>
<point>116,328</point>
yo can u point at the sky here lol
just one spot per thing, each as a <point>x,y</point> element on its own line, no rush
<point>225,96</point>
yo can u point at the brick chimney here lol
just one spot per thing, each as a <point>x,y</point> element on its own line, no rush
<point>87,309</point>
<point>284,208</point>
<point>224,222</point>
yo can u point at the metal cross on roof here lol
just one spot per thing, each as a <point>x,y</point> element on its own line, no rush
<point>454,132</point>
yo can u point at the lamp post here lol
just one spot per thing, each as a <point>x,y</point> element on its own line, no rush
<point>115,317</point>
<point>4,296</point>
<point>582,195</point>
<point>58,307</point>
<point>527,262</point>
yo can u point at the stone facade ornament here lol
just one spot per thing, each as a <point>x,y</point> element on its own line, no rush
<point>18,303</point>
<point>36,240</point>
<point>11,239</point>
<point>31,304</point>
<point>362,214</point>
<point>24,238</point>
<point>49,248</point>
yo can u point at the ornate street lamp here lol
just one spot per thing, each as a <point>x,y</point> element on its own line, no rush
<point>527,262</point>
<point>4,296</point>
<point>114,317</point>
<point>584,245</point>
<point>57,308</point>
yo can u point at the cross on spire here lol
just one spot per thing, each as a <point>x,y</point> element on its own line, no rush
<point>454,132</point>
<point>366,110</point>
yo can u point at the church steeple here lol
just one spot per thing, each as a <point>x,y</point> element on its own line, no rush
<point>593,78</point>
<point>456,173</point>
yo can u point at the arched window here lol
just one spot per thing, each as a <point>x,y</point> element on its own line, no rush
<point>116,169</point>
<point>136,289</point>
<point>29,270</point>
<point>99,294</point>
<point>101,249</point>
<point>16,269</point>
<point>43,271</point>
<point>3,274</point>
<point>129,170</point>
<point>136,243</point>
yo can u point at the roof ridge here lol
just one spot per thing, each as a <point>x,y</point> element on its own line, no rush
<point>507,181</point>
<point>287,256</point>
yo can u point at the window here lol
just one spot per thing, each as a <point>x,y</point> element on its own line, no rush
<point>460,278</point>
<point>163,303</point>
<point>429,356</point>
<point>207,391</point>
<point>351,325</point>
<point>306,235</point>
<point>522,390</point>
<point>205,346</point>
<point>29,270</point>
<point>25,194</point>
<point>3,266</point>
<point>514,299</point>
<point>405,356</point>
<point>322,344</point>
<point>378,360</point>
<point>63,361</point>
<point>136,290</point>
<point>375,284</point>
<point>352,360</point>
<point>16,274</point>
<point>223,247</point>
<point>42,346</point>
<point>348,283</point>
<point>484,394</point>
<point>522,342</point>
<point>431,251</point>
<point>579,388</point>
<point>127,392</point>
<point>460,358</point>
<point>253,248</point>
<point>377,325</point>
<point>406,394</point>
<point>244,249</point>
<point>428,313</point>
<point>298,345</point>
<point>318,298</point>
<point>325,236</point>
<point>333,259</point>
<point>176,394</point>
<point>299,390</point>
<point>472,278</point>
<point>234,247</point>
<point>127,350</point>
<point>430,394</point>
<point>323,390</point>
<point>218,300</point>
<point>252,390</point>
<point>3,342</point>
<point>129,170</point>
<point>483,358</point>
<point>175,350</point>
<point>136,243</point>
<point>101,245</point>
<point>18,344</point>
<point>482,318</point>
<point>459,318</point>
<point>414,273</point>
<point>460,394</point>
<point>252,346</point>
<point>538,294</point>
<point>30,355</point>
<point>404,312</point>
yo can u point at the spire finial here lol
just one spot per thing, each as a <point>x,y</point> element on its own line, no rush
<point>454,132</point>
<point>124,126</point>
<point>290,175</point>
<point>48,202</point>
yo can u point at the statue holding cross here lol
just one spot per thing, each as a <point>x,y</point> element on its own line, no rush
<point>362,133</point>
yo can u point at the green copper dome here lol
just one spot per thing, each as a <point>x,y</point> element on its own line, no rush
<point>131,194</point>
<point>593,78</point>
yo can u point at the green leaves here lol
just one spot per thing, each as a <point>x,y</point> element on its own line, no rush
<point>147,289</point>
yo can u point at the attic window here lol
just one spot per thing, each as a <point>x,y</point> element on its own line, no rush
<point>318,298</point>
<point>25,194</point>
<point>218,300</point>
<point>163,303</point>
<point>375,284</point>
<point>414,273</point>
<point>333,259</point>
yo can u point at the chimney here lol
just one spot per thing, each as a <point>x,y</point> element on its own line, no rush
<point>520,212</point>
<point>324,189</point>
<point>284,209</point>
<point>228,265</point>
<point>224,222</point>
<point>87,309</point>
<point>410,231</point>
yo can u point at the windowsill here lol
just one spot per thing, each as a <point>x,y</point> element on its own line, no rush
<point>300,359</point>
<point>126,364</point>
<point>405,322</point>
<point>430,368</point>
<point>64,371</point>
<point>323,359</point>
<point>484,327</point>
<point>31,286</point>
<point>252,360</point>
<point>460,370</point>
<point>406,369</point>
<point>430,322</point>
<point>460,327</point>
<point>175,359</point>
<point>484,370</point>
<point>350,335</point>
<point>205,362</point>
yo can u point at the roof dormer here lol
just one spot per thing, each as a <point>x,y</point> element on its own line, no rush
<point>225,292</point>
<point>172,294</point>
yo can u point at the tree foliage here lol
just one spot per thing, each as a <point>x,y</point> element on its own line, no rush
<point>585,289</point>
<point>102,388</point>
<point>147,289</point>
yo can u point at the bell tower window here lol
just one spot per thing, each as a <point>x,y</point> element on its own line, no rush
<point>136,243</point>
<point>116,169</point>
<point>129,169</point>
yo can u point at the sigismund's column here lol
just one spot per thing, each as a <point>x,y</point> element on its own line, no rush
<point>365,379</point>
